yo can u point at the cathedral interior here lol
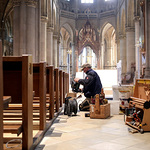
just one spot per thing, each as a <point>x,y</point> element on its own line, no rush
<point>65,34</point>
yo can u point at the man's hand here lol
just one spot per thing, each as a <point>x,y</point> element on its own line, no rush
<point>76,79</point>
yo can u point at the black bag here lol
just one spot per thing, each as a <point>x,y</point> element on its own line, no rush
<point>85,105</point>
<point>71,105</point>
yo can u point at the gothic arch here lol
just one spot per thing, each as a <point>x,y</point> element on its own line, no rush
<point>108,46</point>
<point>69,30</point>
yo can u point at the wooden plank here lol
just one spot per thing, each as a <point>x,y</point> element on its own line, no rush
<point>14,129</point>
<point>6,101</point>
<point>1,98</point>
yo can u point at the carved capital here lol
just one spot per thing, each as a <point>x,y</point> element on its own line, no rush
<point>50,29</point>
<point>122,36</point>
<point>137,18</point>
<point>16,3</point>
<point>44,19</point>
<point>55,36</point>
<point>31,3</point>
<point>130,29</point>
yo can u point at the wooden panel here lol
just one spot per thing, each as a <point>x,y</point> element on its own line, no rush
<point>64,91</point>
<point>61,87</point>
<point>39,86</point>
<point>51,91</point>
<point>1,98</point>
<point>12,77</point>
<point>56,85</point>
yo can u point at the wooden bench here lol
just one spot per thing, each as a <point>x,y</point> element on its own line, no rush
<point>39,86</point>
<point>56,88</point>
<point>1,98</point>
<point>18,83</point>
<point>50,89</point>
<point>65,85</point>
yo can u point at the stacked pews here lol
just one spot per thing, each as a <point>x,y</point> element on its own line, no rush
<point>31,87</point>
<point>17,83</point>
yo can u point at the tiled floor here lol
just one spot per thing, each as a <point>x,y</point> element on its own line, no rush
<point>82,133</point>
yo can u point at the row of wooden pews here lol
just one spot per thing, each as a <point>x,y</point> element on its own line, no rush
<point>37,95</point>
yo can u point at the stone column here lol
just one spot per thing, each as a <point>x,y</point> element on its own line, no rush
<point>22,28</point>
<point>118,50</point>
<point>73,61</point>
<point>43,38</point>
<point>98,59</point>
<point>16,27</point>
<point>30,27</point>
<point>102,56</point>
<point>58,45</point>
<point>147,39</point>
<point>38,32</point>
<point>55,51</point>
<point>108,60</point>
<point>50,45</point>
<point>123,54</point>
<point>130,48</point>
<point>137,45</point>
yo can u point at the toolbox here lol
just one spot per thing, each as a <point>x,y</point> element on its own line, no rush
<point>98,111</point>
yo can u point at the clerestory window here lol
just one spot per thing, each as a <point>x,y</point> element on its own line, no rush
<point>86,1</point>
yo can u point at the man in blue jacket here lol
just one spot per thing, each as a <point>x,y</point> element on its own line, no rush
<point>91,84</point>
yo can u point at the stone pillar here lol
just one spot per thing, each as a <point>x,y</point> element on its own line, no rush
<point>147,39</point>
<point>98,59</point>
<point>73,61</point>
<point>55,51</point>
<point>50,45</point>
<point>123,54</point>
<point>130,48</point>
<point>30,27</point>
<point>58,45</point>
<point>22,28</point>
<point>16,27</point>
<point>38,32</point>
<point>108,59</point>
<point>137,51</point>
<point>102,56</point>
<point>118,50</point>
<point>43,38</point>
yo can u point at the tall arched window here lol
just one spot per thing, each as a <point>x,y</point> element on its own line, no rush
<point>86,1</point>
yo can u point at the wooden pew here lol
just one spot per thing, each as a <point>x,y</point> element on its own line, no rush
<point>18,83</point>
<point>65,85</point>
<point>50,88</point>
<point>1,98</point>
<point>56,88</point>
<point>39,86</point>
<point>61,87</point>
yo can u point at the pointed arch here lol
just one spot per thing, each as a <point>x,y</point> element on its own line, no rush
<point>108,46</point>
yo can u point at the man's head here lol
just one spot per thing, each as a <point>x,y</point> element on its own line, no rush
<point>86,67</point>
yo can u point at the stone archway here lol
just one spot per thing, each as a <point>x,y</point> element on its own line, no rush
<point>108,55</point>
